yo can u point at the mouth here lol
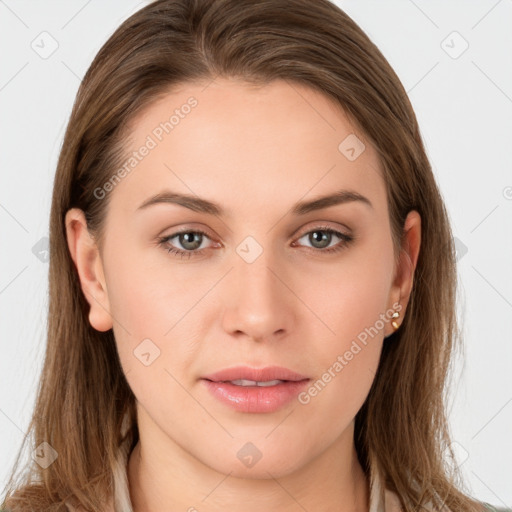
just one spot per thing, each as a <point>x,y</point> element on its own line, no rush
<point>252,390</point>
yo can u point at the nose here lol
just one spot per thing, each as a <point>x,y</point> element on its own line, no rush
<point>259,303</point>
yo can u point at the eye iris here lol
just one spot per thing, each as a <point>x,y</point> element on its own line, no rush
<point>324,236</point>
<point>190,238</point>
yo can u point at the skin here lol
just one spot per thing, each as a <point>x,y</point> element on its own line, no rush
<point>256,151</point>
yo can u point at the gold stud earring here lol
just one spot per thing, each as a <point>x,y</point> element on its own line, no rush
<point>396,314</point>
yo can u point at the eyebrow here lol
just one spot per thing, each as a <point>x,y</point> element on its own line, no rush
<point>198,204</point>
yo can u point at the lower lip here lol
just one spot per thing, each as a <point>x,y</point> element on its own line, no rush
<point>256,399</point>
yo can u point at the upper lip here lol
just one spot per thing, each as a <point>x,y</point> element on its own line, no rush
<point>255,374</point>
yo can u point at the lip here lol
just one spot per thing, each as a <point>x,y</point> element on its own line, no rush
<point>255,399</point>
<point>256,374</point>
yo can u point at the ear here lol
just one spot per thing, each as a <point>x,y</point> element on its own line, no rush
<point>404,273</point>
<point>86,256</point>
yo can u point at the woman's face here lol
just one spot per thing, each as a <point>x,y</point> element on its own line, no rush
<point>267,284</point>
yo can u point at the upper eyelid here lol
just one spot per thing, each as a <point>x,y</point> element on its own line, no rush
<point>321,227</point>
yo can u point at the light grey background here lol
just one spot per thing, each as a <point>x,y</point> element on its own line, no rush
<point>463,101</point>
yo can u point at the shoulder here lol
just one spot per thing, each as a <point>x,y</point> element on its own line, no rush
<point>490,508</point>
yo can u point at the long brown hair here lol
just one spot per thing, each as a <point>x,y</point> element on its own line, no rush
<point>83,395</point>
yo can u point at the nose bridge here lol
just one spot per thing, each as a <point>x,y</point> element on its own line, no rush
<point>259,305</point>
<point>255,279</point>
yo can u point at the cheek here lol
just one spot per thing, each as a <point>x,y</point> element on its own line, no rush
<point>337,395</point>
<point>353,301</point>
<point>152,307</point>
<point>144,293</point>
<point>348,297</point>
<point>347,361</point>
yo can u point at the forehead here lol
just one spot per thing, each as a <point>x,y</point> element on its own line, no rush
<point>244,145</point>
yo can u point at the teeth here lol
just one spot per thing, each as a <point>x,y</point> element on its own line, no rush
<point>243,382</point>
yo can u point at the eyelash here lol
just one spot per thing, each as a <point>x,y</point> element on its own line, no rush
<point>163,241</point>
